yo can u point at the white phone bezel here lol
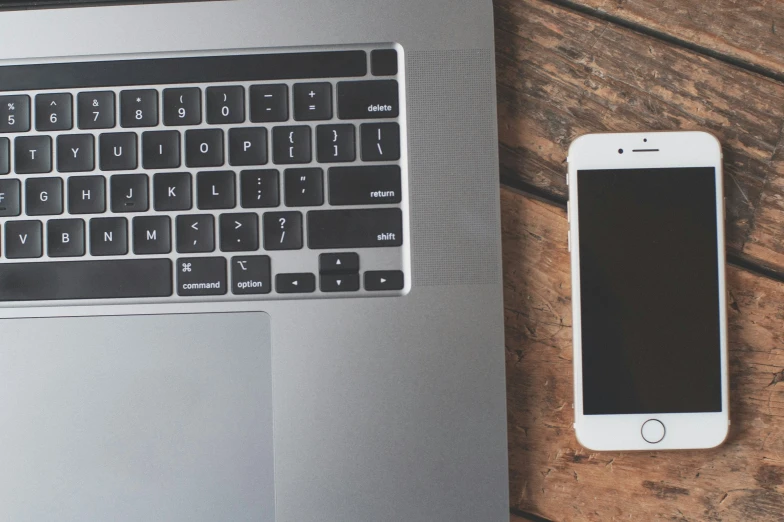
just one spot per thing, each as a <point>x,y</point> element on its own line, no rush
<point>646,150</point>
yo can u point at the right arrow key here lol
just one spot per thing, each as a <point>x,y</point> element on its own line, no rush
<point>384,281</point>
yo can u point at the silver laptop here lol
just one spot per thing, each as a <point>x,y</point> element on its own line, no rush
<point>250,265</point>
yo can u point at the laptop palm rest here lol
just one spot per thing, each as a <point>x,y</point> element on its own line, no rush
<point>136,418</point>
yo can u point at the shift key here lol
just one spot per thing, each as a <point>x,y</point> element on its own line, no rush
<point>360,228</point>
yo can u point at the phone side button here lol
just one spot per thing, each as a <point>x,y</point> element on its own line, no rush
<point>653,431</point>
<point>569,240</point>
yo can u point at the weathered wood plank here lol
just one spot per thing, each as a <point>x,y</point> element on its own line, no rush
<point>562,74</point>
<point>552,476</point>
<point>749,31</point>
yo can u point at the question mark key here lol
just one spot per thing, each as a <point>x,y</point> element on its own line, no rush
<point>282,231</point>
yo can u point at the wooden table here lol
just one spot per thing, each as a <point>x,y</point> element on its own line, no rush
<point>568,67</point>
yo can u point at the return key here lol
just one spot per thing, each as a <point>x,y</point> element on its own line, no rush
<point>377,185</point>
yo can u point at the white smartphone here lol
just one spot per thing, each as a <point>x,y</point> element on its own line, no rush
<point>646,214</point>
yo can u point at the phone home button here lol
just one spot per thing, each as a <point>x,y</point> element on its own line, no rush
<point>653,431</point>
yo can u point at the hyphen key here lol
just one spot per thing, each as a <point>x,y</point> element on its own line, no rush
<point>368,100</point>
<point>361,228</point>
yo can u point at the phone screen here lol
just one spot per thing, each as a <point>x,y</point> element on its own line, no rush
<point>649,274</point>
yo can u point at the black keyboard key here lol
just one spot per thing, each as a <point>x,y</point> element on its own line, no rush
<point>250,275</point>
<point>342,263</point>
<point>65,238</point>
<point>384,281</point>
<point>259,188</point>
<point>361,228</point>
<point>139,108</point>
<point>375,99</point>
<point>383,62</point>
<point>23,239</point>
<point>5,156</point>
<point>86,195</point>
<point>248,146</point>
<point>339,283</point>
<point>172,191</point>
<point>151,235</point>
<point>10,198</point>
<point>14,113</point>
<point>336,143</point>
<point>160,150</point>
<point>312,101</point>
<point>291,145</point>
<point>118,151</point>
<point>96,110</point>
<point>182,106</point>
<point>44,196</point>
<point>201,276</point>
<point>129,193</point>
<point>380,141</point>
<point>295,283</point>
<point>109,236</point>
<point>215,190</point>
<point>366,185</point>
<point>85,280</point>
<point>54,112</point>
<point>225,105</point>
<point>282,231</point>
<point>239,232</point>
<point>75,152</point>
<point>195,233</point>
<point>269,103</point>
<point>304,187</point>
<point>33,154</point>
<point>204,148</point>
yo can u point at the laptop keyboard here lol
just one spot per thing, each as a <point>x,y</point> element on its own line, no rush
<point>221,177</point>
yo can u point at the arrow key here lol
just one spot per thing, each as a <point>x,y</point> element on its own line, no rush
<point>295,283</point>
<point>343,263</point>
<point>239,232</point>
<point>384,281</point>
<point>339,282</point>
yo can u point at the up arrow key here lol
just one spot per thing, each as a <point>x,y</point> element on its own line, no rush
<point>53,103</point>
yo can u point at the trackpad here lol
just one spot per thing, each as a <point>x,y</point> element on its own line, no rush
<point>134,418</point>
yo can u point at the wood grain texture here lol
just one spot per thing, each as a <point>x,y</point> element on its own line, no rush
<point>553,477</point>
<point>562,74</point>
<point>750,31</point>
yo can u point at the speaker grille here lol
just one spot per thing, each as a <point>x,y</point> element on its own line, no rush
<point>455,222</point>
